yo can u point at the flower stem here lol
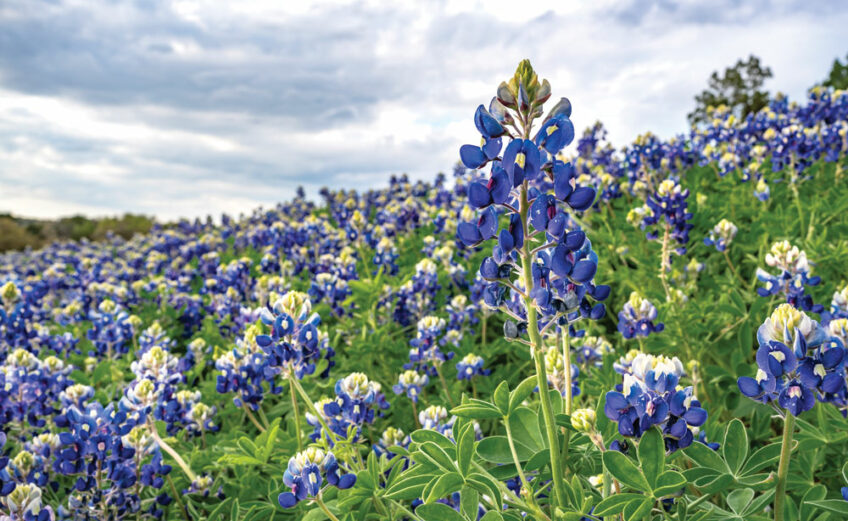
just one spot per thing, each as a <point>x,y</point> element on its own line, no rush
<point>539,355</point>
<point>296,417</point>
<point>324,508</point>
<point>783,467</point>
<point>311,407</point>
<point>665,263</point>
<point>524,482</point>
<point>733,269</point>
<point>444,385</point>
<point>174,454</point>
<point>177,497</point>
<point>252,417</point>
<point>567,403</point>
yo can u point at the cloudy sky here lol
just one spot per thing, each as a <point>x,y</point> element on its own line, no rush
<point>189,107</point>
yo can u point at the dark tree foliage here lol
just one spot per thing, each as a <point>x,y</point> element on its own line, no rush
<point>838,77</point>
<point>738,88</point>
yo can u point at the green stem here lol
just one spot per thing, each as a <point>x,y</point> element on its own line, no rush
<point>311,406</point>
<point>174,454</point>
<point>252,417</point>
<point>783,466</point>
<point>733,269</point>
<point>539,355</point>
<point>324,508</point>
<point>263,417</point>
<point>524,482</point>
<point>664,261</point>
<point>444,384</point>
<point>567,405</point>
<point>177,497</point>
<point>296,417</point>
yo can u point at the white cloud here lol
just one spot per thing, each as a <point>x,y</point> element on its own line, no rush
<point>192,107</point>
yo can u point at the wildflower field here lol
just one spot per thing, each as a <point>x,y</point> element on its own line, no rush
<point>560,330</point>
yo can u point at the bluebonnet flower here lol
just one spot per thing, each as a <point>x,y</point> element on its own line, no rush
<point>391,437</point>
<point>411,383</point>
<point>353,407</point>
<point>564,264</point>
<point>591,350</point>
<point>111,332</point>
<point>435,418</point>
<point>794,276</point>
<point>470,366</point>
<point>650,396</point>
<point>385,256</point>
<point>668,203</point>
<point>797,363</point>
<point>25,503</point>
<point>637,317</point>
<point>306,473</point>
<point>838,306</point>
<point>425,354</point>
<point>721,235</point>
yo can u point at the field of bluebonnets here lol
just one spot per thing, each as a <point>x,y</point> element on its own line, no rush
<point>561,331</point>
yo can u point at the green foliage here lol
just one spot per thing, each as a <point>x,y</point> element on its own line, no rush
<point>838,76</point>
<point>738,88</point>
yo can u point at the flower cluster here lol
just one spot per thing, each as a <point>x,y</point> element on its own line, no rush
<point>306,473</point>
<point>563,264</point>
<point>793,278</point>
<point>669,204</point>
<point>650,395</point>
<point>721,235</point>
<point>637,317</point>
<point>353,407</point>
<point>797,363</point>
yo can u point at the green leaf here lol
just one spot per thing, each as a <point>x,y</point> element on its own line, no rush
<point>836,506</point>
<point>239,459</point>
<point>615,504</point>
<point>636,510</point>
<point>409,488</point>
<point>652,455</point>
<point>524,425</point>
<point>445,485</point>
<point>438,455</point>
<point>501,397</point>
<point>438,512</point>
<point>522,392</point>
<point>495,449</point>
<point>492,515</point>
<point>705,457</point>
<point>762,458</point>
<point>624,470</point>
<point>477,410</point>
<point>735,446</point>
<point>234,510</point>
<point>669,482</point>
<point>219,510</point>
<point>469,502</point>
<point>816,493</point>
<point>465,450</point>
<point>486,485</point>
<point>739,499</point>
<point>425,435</point>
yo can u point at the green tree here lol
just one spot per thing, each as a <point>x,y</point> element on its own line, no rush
<point>838,77</point>
<point>738,88</point>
